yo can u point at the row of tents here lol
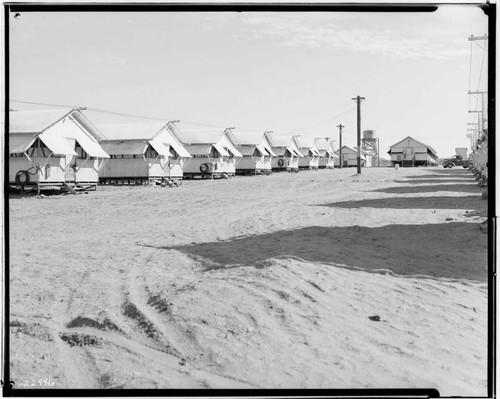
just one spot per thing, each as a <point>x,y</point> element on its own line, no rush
<point>63,147</point>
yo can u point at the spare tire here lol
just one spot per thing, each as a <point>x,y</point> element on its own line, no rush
<point>22,177</point>
<point>281,162</point>
<point>205,168</point>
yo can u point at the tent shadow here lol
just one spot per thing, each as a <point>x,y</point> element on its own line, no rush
<point>468,202</point>
<point>460,254</point>
<point>460,188</point>
<point>437,180</point>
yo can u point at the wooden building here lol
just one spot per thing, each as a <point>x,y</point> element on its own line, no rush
<point>411,152</point>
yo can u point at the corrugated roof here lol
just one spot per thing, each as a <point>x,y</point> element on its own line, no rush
<point>131,131</point>
<point>35,121</point>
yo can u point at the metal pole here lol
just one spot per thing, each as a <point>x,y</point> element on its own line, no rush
<point>340,143</point>
<point>358,100</point>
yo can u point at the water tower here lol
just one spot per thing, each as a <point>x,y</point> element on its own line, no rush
<point>370,146</point>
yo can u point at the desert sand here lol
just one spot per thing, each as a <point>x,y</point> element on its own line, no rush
<point>321,279</point>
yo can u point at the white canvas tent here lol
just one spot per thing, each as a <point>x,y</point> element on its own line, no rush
<point>54,147</point>
<point>327,155</point>
<point>256,152</point>
<point>308,149</point>
<point>287,153</point>
<point>142,153</point>
<point>212,153</point>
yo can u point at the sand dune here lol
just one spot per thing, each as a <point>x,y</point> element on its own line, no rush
<point>319,279</point>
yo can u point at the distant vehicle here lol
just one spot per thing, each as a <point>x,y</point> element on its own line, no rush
<point>456,160</point>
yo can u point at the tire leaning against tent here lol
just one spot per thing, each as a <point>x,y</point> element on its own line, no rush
<point>204,168</point>
<point>22,181</point>
<point>281,162</point>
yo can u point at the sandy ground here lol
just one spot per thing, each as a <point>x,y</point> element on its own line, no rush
<point>322,279</point>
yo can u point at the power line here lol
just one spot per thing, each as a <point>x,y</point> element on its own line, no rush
<point>328,120</point>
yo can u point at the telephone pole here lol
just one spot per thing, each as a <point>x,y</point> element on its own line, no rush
<point>340,147</point>
<point>358,100</point>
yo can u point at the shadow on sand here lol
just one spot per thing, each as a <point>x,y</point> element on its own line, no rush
<point>468,202</point>
<point>437,180</point>
<point>459,188</point>
<point>403,249</point>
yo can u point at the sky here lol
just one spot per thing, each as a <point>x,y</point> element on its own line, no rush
<point>286,72</point>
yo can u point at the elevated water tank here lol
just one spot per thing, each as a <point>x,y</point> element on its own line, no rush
<point>368,134</point>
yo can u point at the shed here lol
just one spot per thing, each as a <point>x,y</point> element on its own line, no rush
<point>350,157</point>
<point>256,151</point>
<point>327,155</point>
<point>287,153</point>
<point>54,147</point>
<point>308,149</point>
<point>411,152</point>
<point>142,153</point>
<point>213,154</point>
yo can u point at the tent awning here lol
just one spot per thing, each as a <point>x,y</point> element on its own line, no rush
<point>92,148</point>
<point>19,143</point>
<point>221,149</point>
<point>234,151</point>
<point>179,149</point>
<point>199,149</point>
<point>279,151</point>
<point>58,145</point>
<point>160,148</point>
<point>124,147</point>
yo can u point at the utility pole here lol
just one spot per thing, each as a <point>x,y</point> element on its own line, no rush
<point>340,147</point>
<point>358,100</point>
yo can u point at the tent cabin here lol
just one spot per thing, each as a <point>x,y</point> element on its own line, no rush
<point>213,154</point>
<point>410,152</point>
<point>309,151</point>
<point>326,152</point>
<point>256,152</point>
<point>142,153</point>
<point>287,153</point>
<point>350,157</point>
<point>54,148</point>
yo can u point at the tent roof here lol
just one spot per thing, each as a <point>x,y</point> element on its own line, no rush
<point>40,120</point>
<point>131,131</point>
<point>280,141</point>
<point>202,136</point>
<point>35,121</point>
<point>248,138</point>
